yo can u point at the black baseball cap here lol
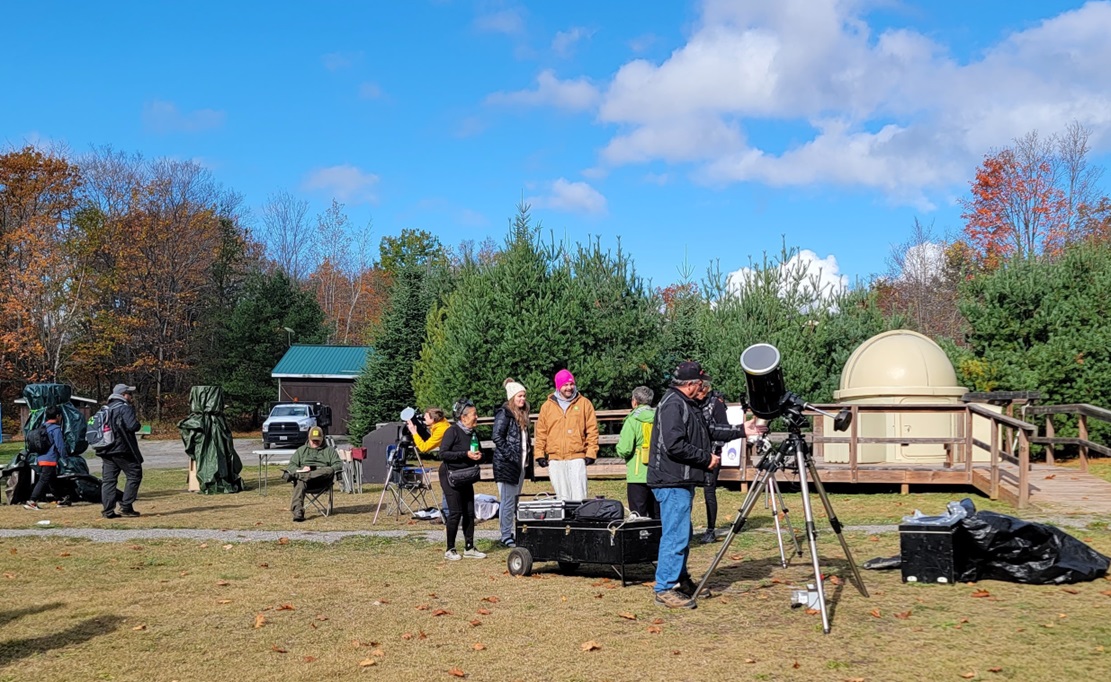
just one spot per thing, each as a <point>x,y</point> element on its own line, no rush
<point>690,371</point>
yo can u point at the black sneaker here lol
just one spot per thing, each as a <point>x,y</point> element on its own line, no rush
<point>687,587</point>
<point>110,515</point>
<point>130,513</point>
<point>298,519</point>
<point>709,537</point>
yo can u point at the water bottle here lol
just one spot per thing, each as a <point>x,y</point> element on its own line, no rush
<point>474,442</point>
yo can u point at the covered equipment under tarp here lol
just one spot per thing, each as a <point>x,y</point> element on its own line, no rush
<point>208,442</point>
<point>74,479</point>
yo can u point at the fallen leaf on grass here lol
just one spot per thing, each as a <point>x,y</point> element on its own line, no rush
<point>1106,593</point>
<point>423,607</point>
<point>441,612</point>
<point>479,646</point>
<point>321,616</point>
<point>736,557</point>
<point>750,660</point>
<point>492,599</point>
<point>1070,590</point>
<point>204,545</point>
<point>590,645</point>
<point>283,541</point>
<point>260,620</point>
<point>64,554</point>
<point>139,628</point>
<point>9,576</point>
<point>1062,615</point>
<point>873,538</point>
<point>406,635</point>
<point>657,621</point>
<point>980,594</point>
<point>456,672</point>
<point>968,675</point>
<point>836,580</point>
<point>277,649</point>
<point>654,629</point>
<point>628,616</point>
<point>309,659</point>
<point>227,547</point>
<point>812,612</point>
<point>367,662</point>
<point>484,612</point>
<point>13,550</point>
<point>875,613</point>
<point>136,547</point>
<point>421,635</point>
<point>1051,477</point>
<point>223,601</point>
<point>286,607</point>
<point>903,615</point>
<point>377,652</point>
<point>433,595</point>
<point>222,583</point>
<point>796,665</point>
<point>996,669</point>
<point>475,623</point>
<point>675,652</point>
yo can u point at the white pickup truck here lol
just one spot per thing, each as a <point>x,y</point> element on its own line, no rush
<point>289,423</point>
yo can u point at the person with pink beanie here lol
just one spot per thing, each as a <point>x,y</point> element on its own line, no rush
<point>566,438</point>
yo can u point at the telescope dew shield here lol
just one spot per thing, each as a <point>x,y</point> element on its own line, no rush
<point>766,388</point>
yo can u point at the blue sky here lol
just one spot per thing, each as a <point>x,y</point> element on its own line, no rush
<point>698,131</point>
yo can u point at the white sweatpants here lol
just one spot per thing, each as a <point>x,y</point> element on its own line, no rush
<point>568,477</point>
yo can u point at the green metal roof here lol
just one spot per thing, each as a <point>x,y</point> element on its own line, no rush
<point>321,362</point>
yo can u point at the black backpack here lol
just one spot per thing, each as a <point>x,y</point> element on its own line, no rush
<point>600,509</point>
<point>38,440</point>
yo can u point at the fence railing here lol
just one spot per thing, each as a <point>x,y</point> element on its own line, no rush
<point>1082,412</point>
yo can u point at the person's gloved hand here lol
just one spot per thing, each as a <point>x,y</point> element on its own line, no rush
<point>542,462</point>
<point>589,460</point>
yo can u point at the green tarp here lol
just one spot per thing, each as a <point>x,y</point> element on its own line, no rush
<point>73,471</point>
<point>208,442</point>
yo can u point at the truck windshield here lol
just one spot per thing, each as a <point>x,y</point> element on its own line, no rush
<point>290,411</point>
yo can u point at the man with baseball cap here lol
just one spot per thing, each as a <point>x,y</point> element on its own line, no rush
<point>313,462</point>
<point>122,455</point>
<point>679,457</point>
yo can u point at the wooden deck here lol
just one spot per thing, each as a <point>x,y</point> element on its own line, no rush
<point>1067,490</point>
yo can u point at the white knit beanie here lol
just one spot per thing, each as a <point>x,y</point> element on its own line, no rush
<point>512,388</point>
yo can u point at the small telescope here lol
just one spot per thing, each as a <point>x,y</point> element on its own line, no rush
<point>768,396</point>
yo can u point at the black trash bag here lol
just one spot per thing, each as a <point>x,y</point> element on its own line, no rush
<point>991,546</point>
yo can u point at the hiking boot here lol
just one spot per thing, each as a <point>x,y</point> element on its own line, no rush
<point>509,544</point>
<point>673,599</point>
<point>452,555</point>
<point>286,476</point>
<point>473,553</point>
<point>686,587</point>
<point>110,515</point>
<point>709,537</point>
<point>130,513</point>
<point>32,505</point>
<point>299,518</point>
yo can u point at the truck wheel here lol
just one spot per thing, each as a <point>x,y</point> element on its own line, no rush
<point>568,566</point>
<point>519,561</point>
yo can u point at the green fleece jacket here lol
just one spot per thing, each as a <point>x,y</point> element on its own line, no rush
<point>633,439</point>
<point>308,456</point>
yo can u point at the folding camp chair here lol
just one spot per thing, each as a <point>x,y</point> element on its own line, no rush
<point>321,494</point>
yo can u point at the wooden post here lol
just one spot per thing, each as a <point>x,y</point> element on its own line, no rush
<point>854,435</point>
<point>1050,434</point>
<point>968,442</point>
<point>1083,423</point>
<point>194,484</point>
<point>1023,468</point>
<point>993,489</point>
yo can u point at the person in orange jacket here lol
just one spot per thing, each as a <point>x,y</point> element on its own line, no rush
<point>566,438</point>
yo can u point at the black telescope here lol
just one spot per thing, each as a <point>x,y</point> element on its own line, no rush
<point>768,396</point>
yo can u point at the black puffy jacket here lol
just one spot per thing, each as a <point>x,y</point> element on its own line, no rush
<point>507,447</point>
<point>125,424</point>
<point>681,442</point>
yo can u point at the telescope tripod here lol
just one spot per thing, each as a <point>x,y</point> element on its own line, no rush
<point>793,453</point>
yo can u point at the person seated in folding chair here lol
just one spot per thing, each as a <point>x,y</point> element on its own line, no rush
<point>312,468</point>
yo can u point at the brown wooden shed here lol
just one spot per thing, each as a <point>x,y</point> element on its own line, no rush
<point>324,374</point>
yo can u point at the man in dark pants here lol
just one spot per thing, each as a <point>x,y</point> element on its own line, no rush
<point>313,463</point>
<point>122,455</point>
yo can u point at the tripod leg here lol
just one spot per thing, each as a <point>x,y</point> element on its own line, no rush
<point>812,539</point>
<point>770,502</point>
<point>382,497</point>
<point>787,517</point>
<point>742,516</point>
<point>836,524</point>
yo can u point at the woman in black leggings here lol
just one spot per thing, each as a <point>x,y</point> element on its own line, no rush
<point>456,452</point>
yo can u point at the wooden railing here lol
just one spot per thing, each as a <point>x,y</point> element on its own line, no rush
<point>1083,412</point>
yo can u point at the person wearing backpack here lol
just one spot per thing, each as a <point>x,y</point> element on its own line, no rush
<point>636,436</point>
<point>49,460</point>
<point>122,455</point>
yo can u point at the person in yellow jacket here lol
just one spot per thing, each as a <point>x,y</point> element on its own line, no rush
<point>437,427</point>
<point>566,438</point>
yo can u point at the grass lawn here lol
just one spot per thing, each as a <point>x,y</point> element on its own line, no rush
<point>392,607</point>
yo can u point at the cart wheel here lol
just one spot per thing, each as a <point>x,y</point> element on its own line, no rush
<point>568,566</point>
<point>519,561</point>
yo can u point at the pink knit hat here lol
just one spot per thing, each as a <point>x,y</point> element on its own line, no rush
<point>562,377</point>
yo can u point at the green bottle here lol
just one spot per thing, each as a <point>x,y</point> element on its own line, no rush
<point>474,442</point>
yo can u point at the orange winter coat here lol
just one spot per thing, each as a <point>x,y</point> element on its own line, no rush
<point>566,435</point>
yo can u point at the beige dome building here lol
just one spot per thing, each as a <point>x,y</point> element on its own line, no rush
<point>899,367</point>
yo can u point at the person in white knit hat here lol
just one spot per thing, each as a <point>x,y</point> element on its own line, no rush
<point>511,453</point>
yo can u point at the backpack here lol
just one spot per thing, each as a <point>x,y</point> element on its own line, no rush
<point>99,433</point>
<point>600,509</point>
<point>38,440</point>
<point>645,443</point>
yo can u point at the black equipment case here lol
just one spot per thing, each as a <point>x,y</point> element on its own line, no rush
<point>571,542</point>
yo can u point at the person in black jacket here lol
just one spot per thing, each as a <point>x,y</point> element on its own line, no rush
<point>457,453</point>
<point>122,455</point>
<point>713,411</point>
<point>511,451</point>
<point>681,454</point>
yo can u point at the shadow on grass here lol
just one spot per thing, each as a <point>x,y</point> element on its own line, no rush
<point>8,616</point>
<point>15,649</point>
<point>195,510</point>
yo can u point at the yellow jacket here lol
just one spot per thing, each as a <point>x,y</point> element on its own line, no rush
<point>435,435</point>
<point>566,435</point>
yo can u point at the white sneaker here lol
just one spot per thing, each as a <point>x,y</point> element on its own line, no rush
<point>452,555</point>
<point>473,553</point>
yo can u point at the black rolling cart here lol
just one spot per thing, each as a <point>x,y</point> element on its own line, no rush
<point>571,542</point>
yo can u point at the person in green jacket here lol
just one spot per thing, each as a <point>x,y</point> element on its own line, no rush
<point>312,462</point>
<point>636,434</point>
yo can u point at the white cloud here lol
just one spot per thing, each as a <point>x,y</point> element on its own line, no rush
<point>369,90</point>
<point>892,110</point>
<point>508,21</point>
<point>805,276</point>
<point>345,183</point>
<point>923,262</point>
<point>335,61</point>
<point>643,42</point>
<point>564,42</point>
<point>571,197</point>
<point>160,116</point>
<point>572,95</point>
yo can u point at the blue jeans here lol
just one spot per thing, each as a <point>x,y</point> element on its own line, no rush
<point>675,540</point>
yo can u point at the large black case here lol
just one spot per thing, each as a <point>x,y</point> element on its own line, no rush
<point>571,542</point>
<point>927,552</point>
